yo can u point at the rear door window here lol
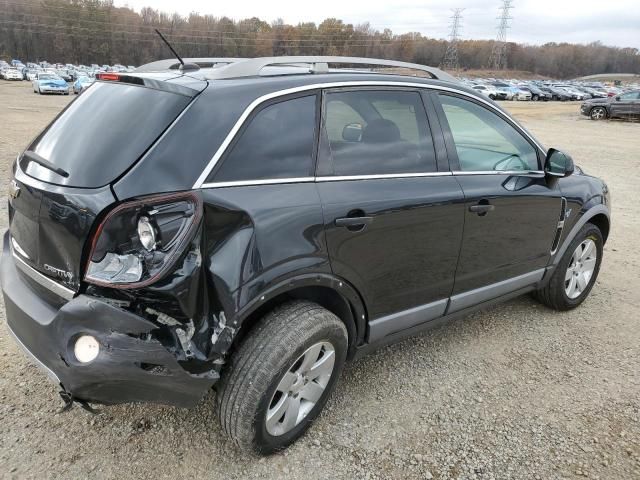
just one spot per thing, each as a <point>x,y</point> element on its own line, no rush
<point>102,133</point>
<point>377,132</point>
<point>277,143</point>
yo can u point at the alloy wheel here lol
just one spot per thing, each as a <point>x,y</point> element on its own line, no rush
<point>580,269</point>
<point>598,113</point>
<point>300,388</point>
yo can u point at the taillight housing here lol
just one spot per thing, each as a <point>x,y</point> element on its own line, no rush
<point>139,241</point>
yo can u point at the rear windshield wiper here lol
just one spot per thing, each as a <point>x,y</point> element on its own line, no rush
<point>43,162</point>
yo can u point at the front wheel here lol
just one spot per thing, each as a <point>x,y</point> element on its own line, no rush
<point>598,113</point>
<point>280,378</point>
<point>535,98</point>
<point>576,272</point>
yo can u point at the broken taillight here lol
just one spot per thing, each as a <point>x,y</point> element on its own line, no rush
<point>139,241</point>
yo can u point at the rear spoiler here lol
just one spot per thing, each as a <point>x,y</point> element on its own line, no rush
<point>164,84</point>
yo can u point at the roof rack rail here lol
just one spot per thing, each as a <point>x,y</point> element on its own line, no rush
<point>251,67</point>
<point>173,64</point>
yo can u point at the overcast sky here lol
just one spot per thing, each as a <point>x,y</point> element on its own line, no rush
<point>614,22</point>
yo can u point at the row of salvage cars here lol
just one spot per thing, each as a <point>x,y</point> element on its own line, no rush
<point>537,90</point>
<point>50,82</point>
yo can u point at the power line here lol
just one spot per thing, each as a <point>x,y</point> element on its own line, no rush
<point>498,58</point>
<point>450,61</point>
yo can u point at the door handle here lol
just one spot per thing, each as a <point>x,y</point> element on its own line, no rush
<point>353,221</point>
<point>481,209</point>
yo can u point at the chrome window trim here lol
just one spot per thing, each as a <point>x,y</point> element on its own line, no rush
<point>339,178</point>
<point>41,279</point>
<point>200,182</point>
<point>529,173</point>
<point>335,178</point>
<point>244,183</point>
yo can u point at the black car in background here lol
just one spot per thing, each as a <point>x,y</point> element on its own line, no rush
<point>263,221</point>
<point>625,105</point>
<point>556,93</point>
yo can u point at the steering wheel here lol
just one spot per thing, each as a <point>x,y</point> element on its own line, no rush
<point>509,158</point>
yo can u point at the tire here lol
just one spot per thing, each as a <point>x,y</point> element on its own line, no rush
<point>492,96</point>
<point>251,385</point>
<point>535,98</point>
<point>598,113</point>
<point>554,294</point>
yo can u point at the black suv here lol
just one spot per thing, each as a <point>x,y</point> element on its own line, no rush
<point>255,223</point>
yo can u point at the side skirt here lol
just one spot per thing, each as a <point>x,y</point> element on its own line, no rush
<point>428,325</point>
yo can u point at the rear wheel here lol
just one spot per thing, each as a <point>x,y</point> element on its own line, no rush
<point>598,113</point>
<point>577,271</point>
<point>280,378</point>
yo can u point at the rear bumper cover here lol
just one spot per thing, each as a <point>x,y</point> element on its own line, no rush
<point>132,366</point>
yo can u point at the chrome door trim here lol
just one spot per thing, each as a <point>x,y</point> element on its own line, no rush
<point>371,83</point>
<point>246,183</point>
<point>337,178</point>
<point>522,173</point>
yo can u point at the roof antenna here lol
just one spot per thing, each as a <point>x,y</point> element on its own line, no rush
<point>183,66</point>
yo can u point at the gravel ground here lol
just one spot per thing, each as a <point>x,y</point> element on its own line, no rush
<point>517,391</point>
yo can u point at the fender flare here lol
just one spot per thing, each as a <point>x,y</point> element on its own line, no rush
<point>340,286</point>
<point>584,219</point>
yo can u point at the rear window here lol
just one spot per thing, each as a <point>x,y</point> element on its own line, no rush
<point>102,133</point>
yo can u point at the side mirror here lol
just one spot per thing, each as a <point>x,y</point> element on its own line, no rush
<point>617,98</point>
<point>352,132</point>
<point>558,164</point>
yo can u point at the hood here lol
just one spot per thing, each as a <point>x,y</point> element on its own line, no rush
<point>599,100</point>
<point>57,83</point>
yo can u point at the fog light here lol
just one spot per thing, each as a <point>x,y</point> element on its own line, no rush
<point>86,349</point>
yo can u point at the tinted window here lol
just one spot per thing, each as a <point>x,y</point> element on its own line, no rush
<point>629,96</point>
<point>378,132</point>
<point>103,132</point>
<point>484,141</point>
<point>278,143</point>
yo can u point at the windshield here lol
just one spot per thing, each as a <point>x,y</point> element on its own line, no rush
<point>102,133</point>
<point>48,76</point>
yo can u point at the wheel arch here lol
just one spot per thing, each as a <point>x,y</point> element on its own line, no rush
<point>597,215</point>
<point>328,291</point>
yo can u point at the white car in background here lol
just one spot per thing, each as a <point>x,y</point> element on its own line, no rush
<point>488,90</point>
<point>12,74</point>
<point>521,94</point>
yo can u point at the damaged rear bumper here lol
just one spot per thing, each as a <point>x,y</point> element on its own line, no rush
<point>132,364</point>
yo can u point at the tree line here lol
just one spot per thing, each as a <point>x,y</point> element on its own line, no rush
<point>96,31</point>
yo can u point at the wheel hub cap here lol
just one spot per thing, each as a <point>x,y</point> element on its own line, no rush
<point>300,388</point>
<point>580,269</point>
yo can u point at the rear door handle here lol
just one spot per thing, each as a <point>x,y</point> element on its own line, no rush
<point>353,221</point>
<point>481,209</point>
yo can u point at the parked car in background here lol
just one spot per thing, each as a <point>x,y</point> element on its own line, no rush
<point>521,94</point>
<point>12,74</point>
<point>64,74</point>
<point>82,83</point>
<point>621,106</point>
<point>505,89</point>
<point>536,93</point>
<point>556,93</point>
<point>490,91</point>
<point>50,83</point>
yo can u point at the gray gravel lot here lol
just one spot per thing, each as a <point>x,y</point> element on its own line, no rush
<point>518,391</point>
